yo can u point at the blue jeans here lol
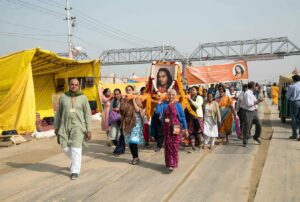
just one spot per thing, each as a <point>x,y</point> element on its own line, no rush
<point>295,110</point>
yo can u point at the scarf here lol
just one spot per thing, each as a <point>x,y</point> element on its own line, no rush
<point>73,94</point>
<point>128,116</point>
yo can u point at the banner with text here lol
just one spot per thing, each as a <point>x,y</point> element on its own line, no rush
<point>217,73</point>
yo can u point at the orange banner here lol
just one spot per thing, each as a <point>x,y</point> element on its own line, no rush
<point>217,73</point>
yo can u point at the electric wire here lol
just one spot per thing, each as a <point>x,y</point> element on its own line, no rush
<point>15,33</point>
<point>104,27</point>
<point>32,38</point>
<point>28,27</point>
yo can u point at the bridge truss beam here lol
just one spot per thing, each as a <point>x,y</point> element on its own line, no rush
<point>140,55</point>
<point>250,50</point>
<point>262,49</point>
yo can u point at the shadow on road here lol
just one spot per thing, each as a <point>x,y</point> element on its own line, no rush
<point>41,167</point>
<point>98,152</point>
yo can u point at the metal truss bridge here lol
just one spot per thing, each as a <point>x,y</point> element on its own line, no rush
<point>140,55</point>
<point>261,49</point>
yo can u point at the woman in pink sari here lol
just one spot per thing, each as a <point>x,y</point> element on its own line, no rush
<point>105,100</point>
<point>173,120</point>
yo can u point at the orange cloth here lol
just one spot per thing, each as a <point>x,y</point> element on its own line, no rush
<point>274,92</point>
<point>226,123</point>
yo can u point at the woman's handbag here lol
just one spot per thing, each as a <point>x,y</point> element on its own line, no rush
<point>175,129</point>
<point>113,117</point>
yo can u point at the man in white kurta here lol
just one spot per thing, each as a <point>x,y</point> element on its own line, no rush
<point>73,125</point>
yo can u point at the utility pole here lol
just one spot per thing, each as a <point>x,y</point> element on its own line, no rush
<point>163,51</point>
<point>69,18</point>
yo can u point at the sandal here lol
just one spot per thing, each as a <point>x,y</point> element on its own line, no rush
<point>134,161</point>
<point>191,150</point>
<point>171,169</point>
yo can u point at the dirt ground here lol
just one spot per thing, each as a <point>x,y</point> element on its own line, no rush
<point>36,150</point>
<point>261,155</point>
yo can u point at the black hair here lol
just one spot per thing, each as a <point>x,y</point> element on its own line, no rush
<point>296,78</point>
<point>274,84</point>
<point>222,86</point>
<point>142,89</point>
<point>130,86</point>
<point>245,87</point>
<point>105,91</point>
<point>241,68</point>
<point>117,89</point>
<point>251,85</point>
<point>210,93</point>
<point>195,88</point>
<point>169,76</point>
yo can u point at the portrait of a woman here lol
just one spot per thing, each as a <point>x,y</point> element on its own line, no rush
<point>238,71</point>
<point>163,80</point>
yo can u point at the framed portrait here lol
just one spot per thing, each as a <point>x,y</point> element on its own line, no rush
<point>238,70</point>
<point>163,76</point>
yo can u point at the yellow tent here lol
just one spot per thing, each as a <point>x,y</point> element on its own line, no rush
<point>30,78</point>
<point>284,80</point>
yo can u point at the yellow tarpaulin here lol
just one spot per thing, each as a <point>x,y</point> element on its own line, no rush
<point>285,79</point>
<point>28,82</point>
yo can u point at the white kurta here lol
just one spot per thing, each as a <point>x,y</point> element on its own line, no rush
<point>210,127</point>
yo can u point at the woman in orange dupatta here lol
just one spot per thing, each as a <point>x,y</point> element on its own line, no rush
<point>274,93</point>
<point>227,114</point>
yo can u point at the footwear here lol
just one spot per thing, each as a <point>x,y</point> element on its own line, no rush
<point>157,149</point>
<point>134,161</point>
<point>293,137</point>
<point>212,147</point>
<point>245,143</point>
<point>171,169</point>
<point>109,143</point>
<point>298,139</point>
<point>117,154</point>
<point>191,150</point>
<point>257,140</point>
<point>74,176</point>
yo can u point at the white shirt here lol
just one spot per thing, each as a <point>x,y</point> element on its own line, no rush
<point>248,101</point>
<point>198,105</point>
<point>265,88</point>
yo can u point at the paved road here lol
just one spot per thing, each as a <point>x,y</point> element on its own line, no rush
<point>223,174</point>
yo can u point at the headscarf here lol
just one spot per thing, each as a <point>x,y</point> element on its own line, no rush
<point>73,94</point>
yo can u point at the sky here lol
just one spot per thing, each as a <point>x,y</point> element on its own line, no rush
<point>114,24</point>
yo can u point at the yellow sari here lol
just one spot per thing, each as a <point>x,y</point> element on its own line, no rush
<point>225,104</point>
<point>274,93</point>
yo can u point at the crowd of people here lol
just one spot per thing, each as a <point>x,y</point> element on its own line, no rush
<point>214,113</point>
<point>219,111</point>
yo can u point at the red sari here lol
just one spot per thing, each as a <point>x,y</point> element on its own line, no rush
<point>172,141</point>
